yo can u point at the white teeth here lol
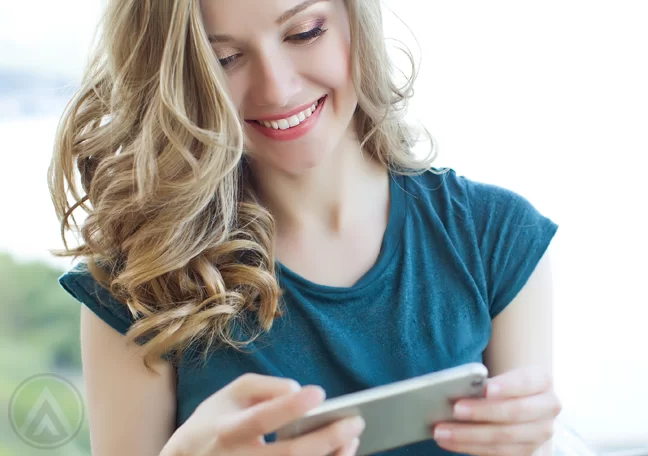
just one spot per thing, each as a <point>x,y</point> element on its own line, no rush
<point>292,121</point>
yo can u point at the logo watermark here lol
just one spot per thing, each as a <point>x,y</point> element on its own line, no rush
<point>46,411</point>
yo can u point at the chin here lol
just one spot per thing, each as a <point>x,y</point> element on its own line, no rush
<point>301,164</point>
<point>294,160</point>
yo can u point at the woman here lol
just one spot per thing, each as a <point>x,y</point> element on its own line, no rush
<point>258,223</point>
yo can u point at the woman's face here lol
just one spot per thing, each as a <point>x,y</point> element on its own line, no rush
<point>281,58</point>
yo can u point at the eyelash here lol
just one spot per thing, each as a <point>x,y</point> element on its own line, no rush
<point>309,36</point>
<point>304,39</point>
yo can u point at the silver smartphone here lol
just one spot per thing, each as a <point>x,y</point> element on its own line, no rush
<point>398,413</point>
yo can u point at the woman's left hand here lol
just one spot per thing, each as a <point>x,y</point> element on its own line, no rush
<point>515,418</point>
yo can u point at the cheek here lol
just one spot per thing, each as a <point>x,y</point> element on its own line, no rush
<point>236,87</point>
<point>329,66</point>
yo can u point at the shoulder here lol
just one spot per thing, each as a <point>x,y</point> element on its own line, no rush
<point>78,279</point>
<point>79,282</point>
<point>498,233</point>
<point>485,204</point>
<point>442,182</point>
<point>81,285</point>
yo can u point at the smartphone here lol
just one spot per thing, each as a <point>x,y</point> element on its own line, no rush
<point>398,413</point>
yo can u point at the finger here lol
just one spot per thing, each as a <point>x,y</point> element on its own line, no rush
<point>520,382</point>
<point>321,442</point>
<point>250,389</point>
<point>493,434</point>
<point>268,416</point>
<point>349,449</point>
<point>518,410</point>
<point>495,450</point>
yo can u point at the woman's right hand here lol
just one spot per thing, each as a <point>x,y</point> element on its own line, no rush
<point>234,420</point>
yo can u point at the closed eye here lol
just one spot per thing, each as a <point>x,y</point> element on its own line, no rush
<point>228,60</point>
<point>309,36</point>
<point>302,38</point>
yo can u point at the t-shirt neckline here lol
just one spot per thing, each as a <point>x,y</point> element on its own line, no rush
<point>389,247</point>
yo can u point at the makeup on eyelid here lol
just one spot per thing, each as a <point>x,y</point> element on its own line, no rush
<point>307,34</point>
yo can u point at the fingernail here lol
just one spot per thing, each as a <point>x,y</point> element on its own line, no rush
<point>355,443</point>
<point>320,392</point>
<point>462,411</point>
<point>357,424</point>
<point>493,390</point>
<point>317,395</point>
<point>442,434</point>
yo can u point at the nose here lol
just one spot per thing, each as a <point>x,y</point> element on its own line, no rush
<point>275,80</point>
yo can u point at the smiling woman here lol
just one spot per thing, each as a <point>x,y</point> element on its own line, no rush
<point>277,69</point>
<point>256,216</point>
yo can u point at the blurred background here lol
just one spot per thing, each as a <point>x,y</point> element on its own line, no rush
<point>547,98</point>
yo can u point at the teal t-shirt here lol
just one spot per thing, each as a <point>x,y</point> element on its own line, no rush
<point>455,253</point>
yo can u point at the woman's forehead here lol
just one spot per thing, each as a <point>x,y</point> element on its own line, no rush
<point>231,14</point>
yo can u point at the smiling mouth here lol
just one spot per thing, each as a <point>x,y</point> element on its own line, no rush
<point>290,121</point>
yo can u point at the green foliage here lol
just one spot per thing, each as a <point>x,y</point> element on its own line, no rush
<point>38,311</point>
<point>39,333</point>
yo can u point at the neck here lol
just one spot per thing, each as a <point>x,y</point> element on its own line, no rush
<point>342,189</point>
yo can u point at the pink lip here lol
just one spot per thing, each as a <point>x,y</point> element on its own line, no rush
<point>287,114</point>
<point>291,133</point>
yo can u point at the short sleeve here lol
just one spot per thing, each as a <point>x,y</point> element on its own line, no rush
<point>79,283</point>
<point>512,237</point>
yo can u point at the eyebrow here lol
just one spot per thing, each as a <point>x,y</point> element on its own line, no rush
<point>280,20</point>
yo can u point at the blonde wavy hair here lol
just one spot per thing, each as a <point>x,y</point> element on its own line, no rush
<point>174,230</point>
